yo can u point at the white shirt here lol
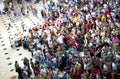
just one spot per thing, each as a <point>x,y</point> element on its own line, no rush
<point>10,5</point>
<point>50,44</point>
<point>107,40</point>
<point>93,14</point>
<point>43,71</point>
<point>105,68</point>
<point>54,60</point>
<point>35,53</point>
<point>48,38</point>
<point>97,38</point>
<point>105,6</point>
<point>88,16</point>
<point>114,67</point>
<point>60,39</point>
<point>117,57</point>
<point>39,45</point>
<point>93,34</point>
<point>85,66</point>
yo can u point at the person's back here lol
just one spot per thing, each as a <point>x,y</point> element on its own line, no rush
<point>31,63</point>
<point>19,71</point>
<point>115,40</point>
<point>26,61</point>
<point>16,65</point>
<point>32,9</point>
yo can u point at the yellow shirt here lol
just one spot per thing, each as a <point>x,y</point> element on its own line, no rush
<point>102,34</point>
<point>74,20</point>
<point>103,19</point>
<point>20,35</point>
<point>78,66</point>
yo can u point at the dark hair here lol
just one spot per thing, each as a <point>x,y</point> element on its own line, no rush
<point>16,61</point>
<point>30,59</point>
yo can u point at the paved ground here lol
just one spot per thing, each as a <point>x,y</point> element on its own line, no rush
<point>8,55</point>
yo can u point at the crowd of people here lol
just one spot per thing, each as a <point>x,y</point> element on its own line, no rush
<point>79,39</point>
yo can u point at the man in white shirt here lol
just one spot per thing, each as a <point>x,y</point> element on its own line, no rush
<point>60,39</point>
<point>50,43</point>
<point>114,66</point>
<point>10,4</point>
<point>35,53</point>
<point>43,71</point>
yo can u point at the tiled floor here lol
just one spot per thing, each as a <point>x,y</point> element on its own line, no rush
<point>9,55</point>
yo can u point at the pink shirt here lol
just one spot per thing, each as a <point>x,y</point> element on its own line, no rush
<point>115,40</point>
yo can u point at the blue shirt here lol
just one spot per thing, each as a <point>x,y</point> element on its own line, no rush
<point>64,19</point>
<point>32,64</point>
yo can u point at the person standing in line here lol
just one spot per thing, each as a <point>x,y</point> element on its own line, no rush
<point>18,70</point>
<point>26,62</point>
<point>36,12</point>
<point>32,63</point>
<point>19,1</point>
<point>16,64</point>
<point>22,25</point>
<point>9,24</point>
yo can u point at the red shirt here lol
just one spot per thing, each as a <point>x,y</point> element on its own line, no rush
<point>88,26</point>
<point>41,11</point>
<point>36,72</point>
<point>78,46</point>
<point>44,25</point>
<point>68,37</point>
<point>94,71</point>
<point>33,28</point>
<point>106,13</point>
<point>71,42</point>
